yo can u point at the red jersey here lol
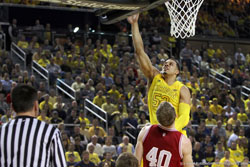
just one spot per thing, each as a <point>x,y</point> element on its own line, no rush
<point>162,147</point>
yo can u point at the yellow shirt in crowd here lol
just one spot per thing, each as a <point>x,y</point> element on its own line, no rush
<point>217,110</point>
<point>94,158</point>
<point>76,154</point>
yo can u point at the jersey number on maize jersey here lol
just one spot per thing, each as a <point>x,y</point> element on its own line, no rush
<point>158,98</point>
<point>157,161</point>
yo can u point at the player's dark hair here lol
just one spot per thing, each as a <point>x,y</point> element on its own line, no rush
<point>126,159</point>
<point>165,114</point>
<point>23,98</point>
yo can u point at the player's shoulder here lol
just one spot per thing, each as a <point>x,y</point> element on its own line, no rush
<point>144,131</point>
<point>146,127</point>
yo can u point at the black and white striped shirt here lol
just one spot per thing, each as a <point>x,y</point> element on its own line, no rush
<point>28,142</point>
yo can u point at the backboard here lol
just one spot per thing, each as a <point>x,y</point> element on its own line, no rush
<point>112,11</point>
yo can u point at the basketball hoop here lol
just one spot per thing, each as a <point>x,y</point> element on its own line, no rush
<point>183,14</point>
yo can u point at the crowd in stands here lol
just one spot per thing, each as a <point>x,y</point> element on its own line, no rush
<point>109,76</point>
<point>223,18</point>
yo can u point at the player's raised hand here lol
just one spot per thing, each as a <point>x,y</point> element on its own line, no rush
<point>133,19</point>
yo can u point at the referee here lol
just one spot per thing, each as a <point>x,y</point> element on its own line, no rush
<point>26,141</point>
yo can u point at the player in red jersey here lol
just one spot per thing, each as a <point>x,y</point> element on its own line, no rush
<point>162,145</point>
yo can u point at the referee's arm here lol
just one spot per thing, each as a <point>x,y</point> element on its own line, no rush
<point>57,151</point>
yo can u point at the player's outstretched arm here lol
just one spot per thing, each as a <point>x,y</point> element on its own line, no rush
<point>184,109</point>
<point>186,148</point>
<point>145,64</point>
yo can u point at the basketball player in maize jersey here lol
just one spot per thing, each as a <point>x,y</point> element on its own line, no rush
<point>162,85</point>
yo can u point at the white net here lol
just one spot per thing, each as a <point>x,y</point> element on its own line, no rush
<point>183,14</point>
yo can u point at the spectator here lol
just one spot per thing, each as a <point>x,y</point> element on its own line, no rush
<point>186,55</point>
<point>233,137</point>
<point>219,151</point>
<point>115,139</point>
<point>99,99</point>
<point>22,43</point>
<point>245,162</point>
<point>54,71</point>
<point>217,162</point>
<point>45,102</point>
<point>43,116</point>
<point>210,50</point>
<point>78,85</point>
<point>71,162</point>
<point>72,151</point>
<point>34,45</point>
<point>233,119</point>
<point>114,93</point>
<point>6,82</point>
<point>239,55</point>
<point>143,118</point>
<point>55,119</point>
<point>221,130</point>
<point>108,147</point>
<point>108,106</point>
<point>59,106</point>
<point>76,133</point>
<point>68,78</point>
<point>235,153</point>
<point>210,120</point>
<point>125,143</point>
<point>229,130</point>
<point>162,54</point>
<point>197,58</point>
<point>3,105</point>
<point>107,161</point>
<point>199,115</point>
<point>71,119</point>
<point>7,117</point>
<point>43,61</point>
<point>78,146</point>
<point>74,106</point>
<point>215,107</point>
<point>52,97</point>
<point>88,92</point>
<point>2,91</point>
<point>197,153</point>
<point>236,80</point>
<point>82,118</point>
<point>209,154</point>
<point>130,123</point>
<point>93,157</point>
<point>85,161</point>
<point>83,130</point>
<point>228,158</point>
<point>95,125</point>
<point>33,81</point>
<point>13,30</point>
<point>108,80</point>
<point>200,135</point>
<point>97,147</point>
<point>242,116</point>
<point>229,110</point>
<point>156,38</point>
<point>216,135</point>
